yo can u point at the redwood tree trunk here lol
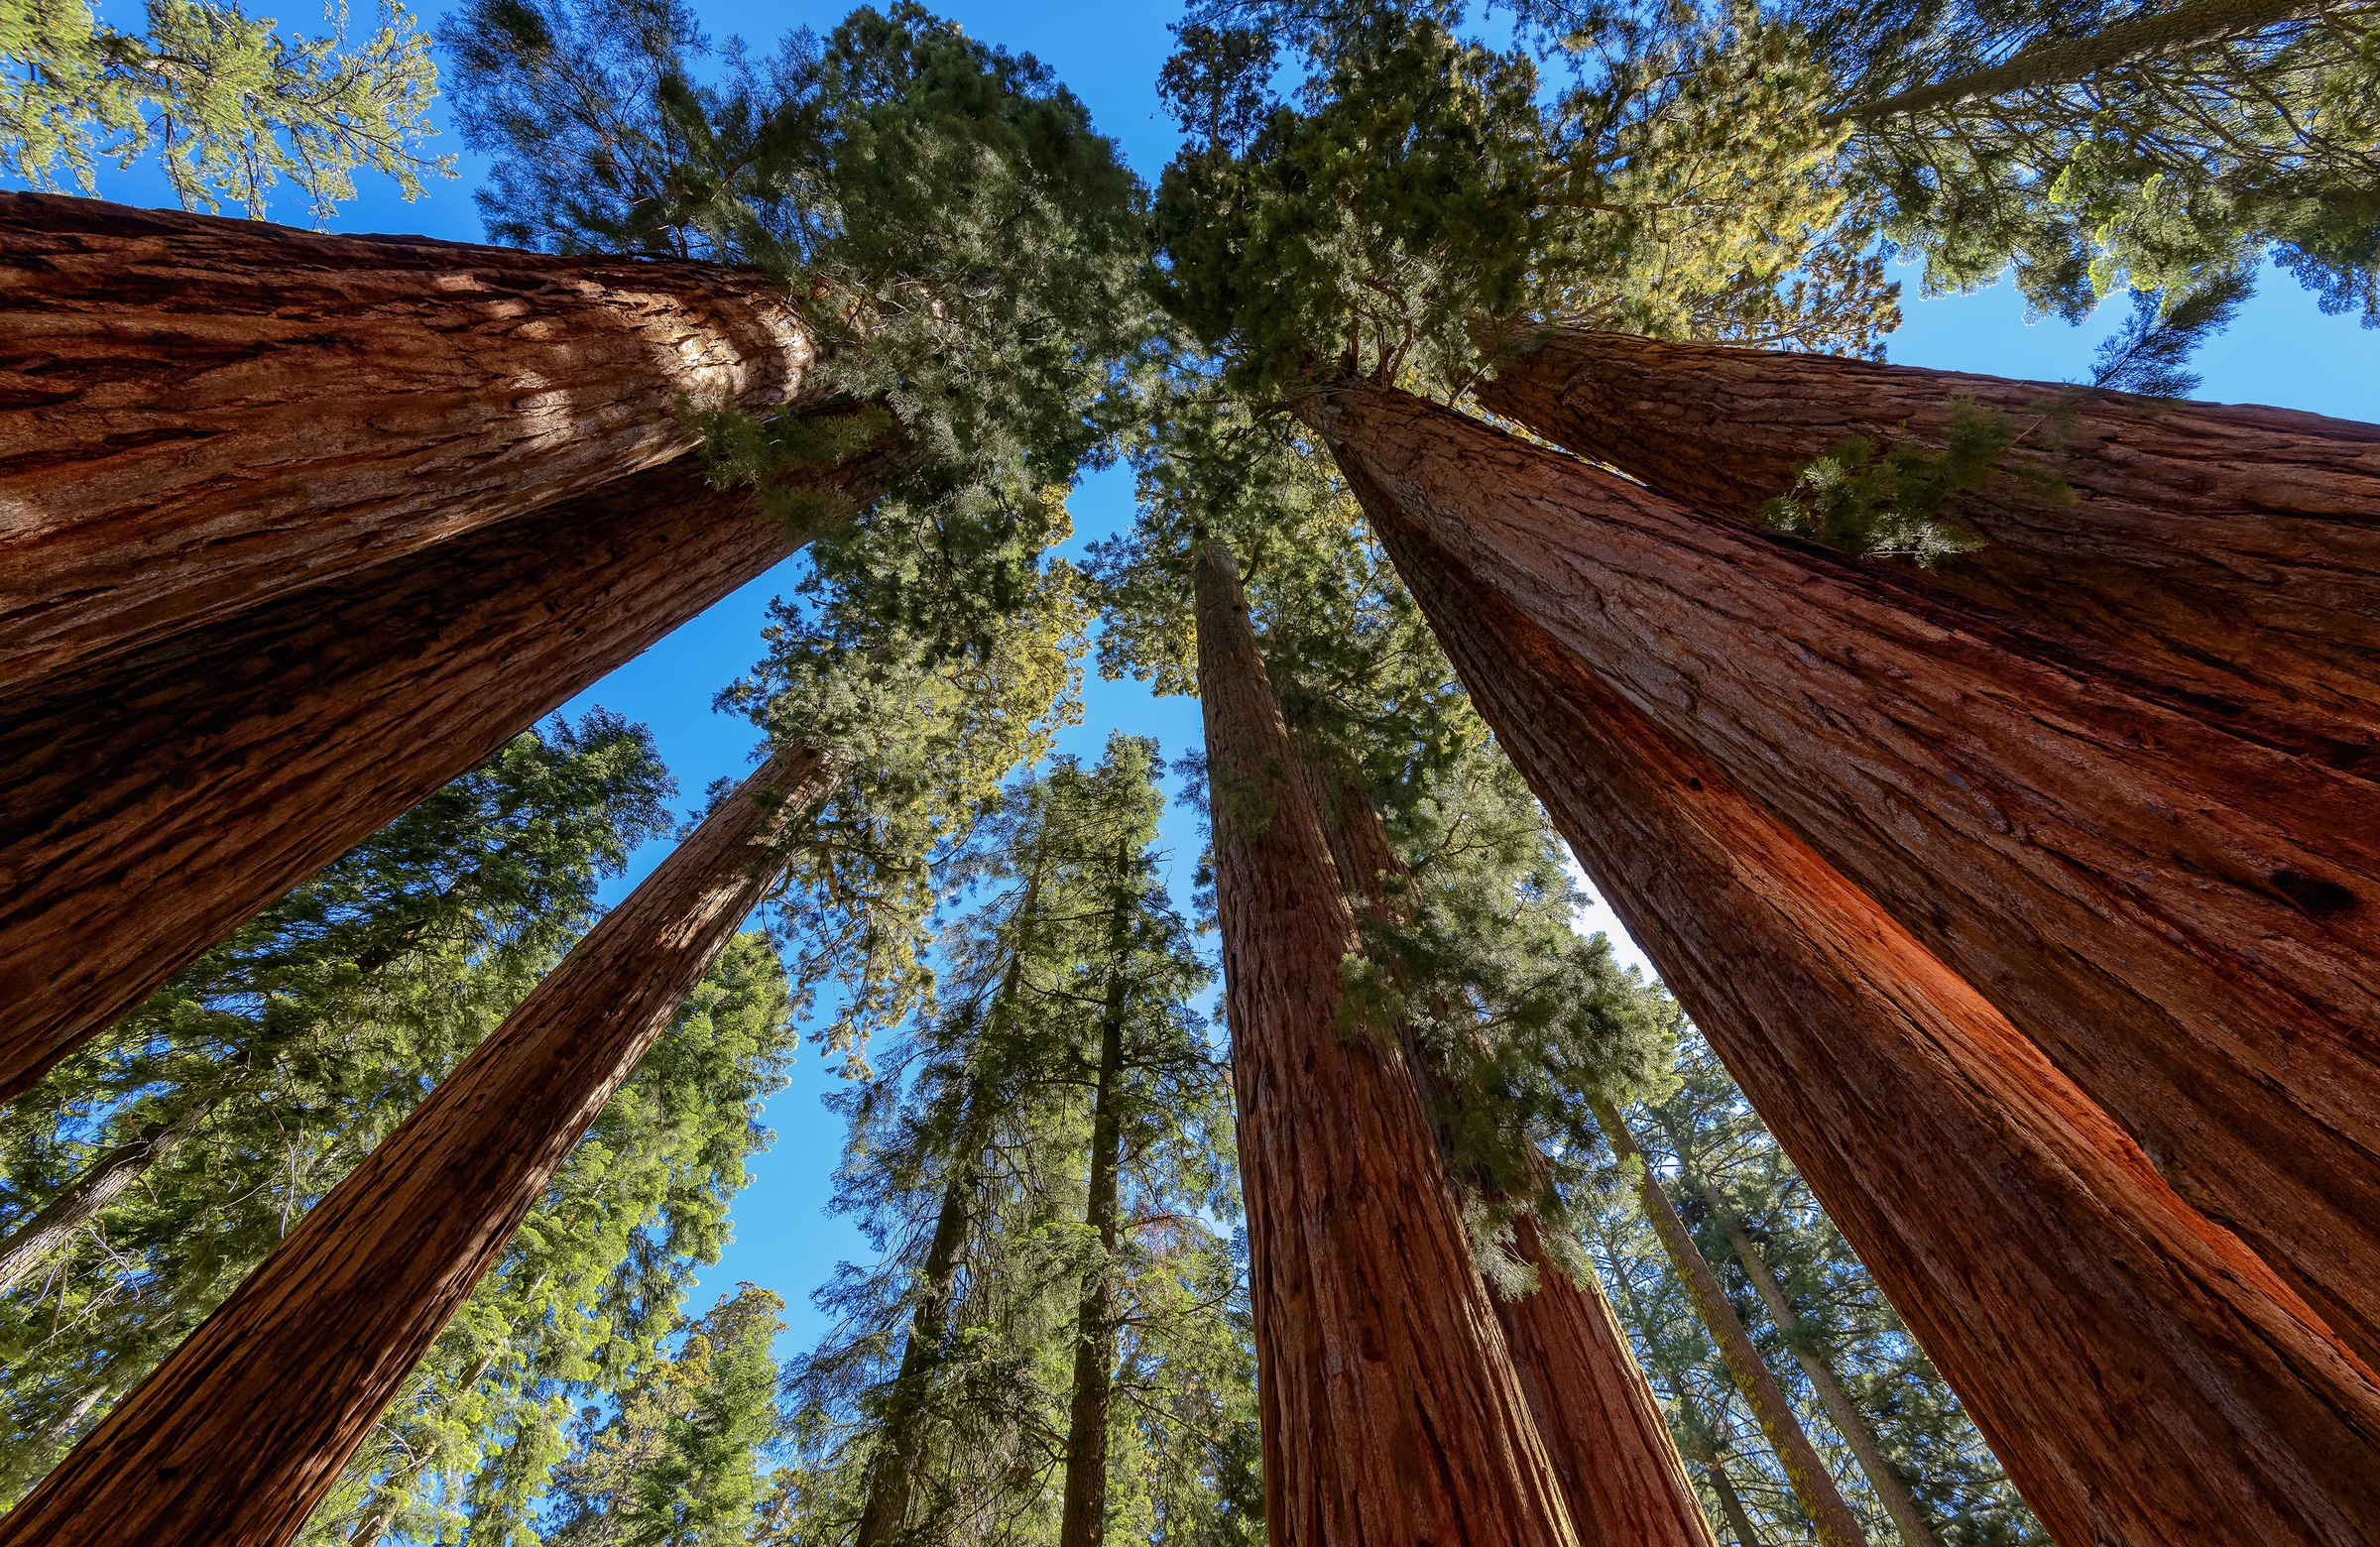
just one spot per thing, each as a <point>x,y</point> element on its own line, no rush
<point>235,1437</point>
<point>2144,1378</point>
<point>2185,914</point>
<point>1610,1447</point>
<point>1836,1524</point>
<point>2240,544</point>
<point>153,803</point>
<point>1390,1413</point>
<point>199,415</point>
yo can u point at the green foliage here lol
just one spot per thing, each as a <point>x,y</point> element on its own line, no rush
<point>967,1168</point>
<point>679,1463</point>
<point>229,104</point>
<point>2149,355</point>
<point>1889,505</point>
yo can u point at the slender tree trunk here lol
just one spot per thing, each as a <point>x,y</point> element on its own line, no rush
<point>1083,1511</point>
<point>199,415</point>
<point>1619,1469</point>
<point>2095,1326</point>
<point>2049,66</point>
<point>82,1200</point>
<point>235,1437</point>
<point>153,806</point>
<point>892,1471</point>
<point>1837,1525</point>
<point>1731,1504</point>
<point>2239,546</point>
<point>2184,914</point>
<point>1850,1421</point>
<point>1390,1413</point>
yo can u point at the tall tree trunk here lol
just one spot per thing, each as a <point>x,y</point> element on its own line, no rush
<point>235,1437</point>
<point>2048,66</point>
<point>892,1470</point>
<point>2241,545</point>
<point>1850,1421</point>
<point>1731,1504</point>
<point>199,415</point>
<point>154,805</point>
<point>2096,1326</point>
<point>1837,1525</point>
<point>1390,1413</point>
<point>82,1200</point>
<point>2184,914</point>
<point>1083,1509</point>
<point>1619,1469</point>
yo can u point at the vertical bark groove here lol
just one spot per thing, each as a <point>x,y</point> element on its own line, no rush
<point>1390,1413</point>
<point>238,1434</point>
<point>156,803</point>
<point>2242,545</point>
<point>2185,915</point>
<point>2144,1378</point>
<point>198,414</point>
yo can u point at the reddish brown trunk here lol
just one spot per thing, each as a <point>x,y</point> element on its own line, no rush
<point>155,802</point>
<point>1619,1469</point>
<point>1836,1526</point>
<point>2185,915</point>
<point>235,1437</point>
<point>198,414</point>
<point>1390,1413</point>
<point>2144,1378</point>
<point>2242,545</point>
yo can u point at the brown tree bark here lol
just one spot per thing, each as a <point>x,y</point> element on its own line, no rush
<point>199,415</point>
<point>2144,1378</point>
<point>2194,23</point>
<point>233,1440</point>
<point>1835,1525</point>
<point>1390,1410</point>
<point>155,802</point>
<point>1620,1471</point>
<point>1083,1503</point>
<point>82,1200</point>
<point>2185,914</point>
<point>2238,544</point>
<point>1850,1421</point>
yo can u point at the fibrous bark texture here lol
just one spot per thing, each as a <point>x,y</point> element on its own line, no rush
<point>1390,1413</point>
<point>155,802</point>
<point>2240,544</point>
<point>238,1434</point>
<point>2184,914</point>
<point>1836,1524</point>
<point>2144,1378</point>
<point>197,414</point>
<point>1620,1471</point>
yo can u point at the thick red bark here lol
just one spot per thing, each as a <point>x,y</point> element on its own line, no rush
<point>233,1440</point>
<point>2240,543</point>
<point>2145,1379</point>
<point>156,801</point>
<point>1390,1413</point>
<point>1619,1469</point>
<point>2185,914</point>
<point>198,414</point>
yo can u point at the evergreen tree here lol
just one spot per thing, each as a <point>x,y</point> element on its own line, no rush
<point>228,103</point>
<point>244,1090</point>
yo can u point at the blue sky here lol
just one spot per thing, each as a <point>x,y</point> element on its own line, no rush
<point>2282,351</point>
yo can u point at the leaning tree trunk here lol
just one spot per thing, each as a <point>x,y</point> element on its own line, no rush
<point>1612,1449</point>
<point>1836,1526</point>
<point>2095,1325</point>
<point>1390,1413</point>
<point>108,1176</point>
<point>1083,1501</point>
<point>2046,67</point>
<point>200,415</point>
<point>230,764</point>
<point>2184,914</point>
<point>233,1440</point>
<point>2238,544</point>
<point>1850,1421</point>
